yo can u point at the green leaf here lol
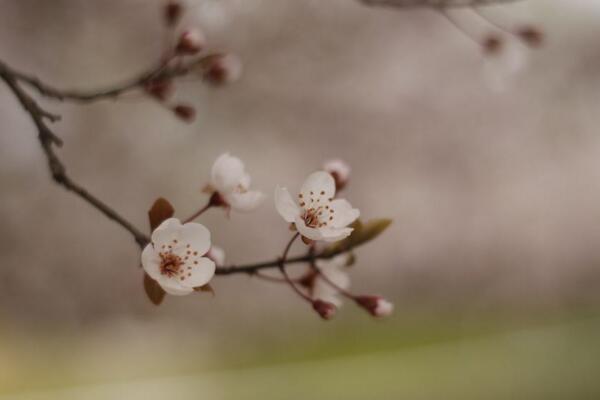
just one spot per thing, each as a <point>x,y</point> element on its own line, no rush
<point>155,293</point>
<point>160,211</point>
<point>362,233</point>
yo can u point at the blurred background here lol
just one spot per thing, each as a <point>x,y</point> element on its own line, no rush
<point>490,172</point>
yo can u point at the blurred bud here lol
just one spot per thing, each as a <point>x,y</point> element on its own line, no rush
<point>191,42</point>
<point>216,254</point>
<point>325,309</point>
<point>173,12</point>
<point>217,200</point>
<point>340,171</point>
<point>492,44</point>
<point>184,112</point>
<point>375,305</point>
<point>160,89</point>
<point>531,36</point>
<point>220,69</point>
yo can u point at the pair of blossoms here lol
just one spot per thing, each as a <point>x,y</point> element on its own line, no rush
<point>180,257</point>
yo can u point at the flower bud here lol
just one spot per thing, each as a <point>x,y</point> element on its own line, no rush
<point>340,171</point>
<point>492,44</point>
<point>376,306</point>
<point>217,200</point>
<point>184,112</point>
<point>216,254</point>
<point>531,36</point>
<point>173,12</point>
<point>325,309</point>
<point>160,89</point>
<point>191,42</point>
<point>220,69</point>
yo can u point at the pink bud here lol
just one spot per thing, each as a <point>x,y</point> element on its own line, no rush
<point>160,89</point>
<point>220,69</point>
<point>186,113</point>
<point>376,306</point>
<point>191,42</point>
<point>173,12</point>
<point>340,172</point>
<point>325,309</point>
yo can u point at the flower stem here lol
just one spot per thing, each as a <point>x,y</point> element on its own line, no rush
<point>284,272</point>
<point>199,212</point>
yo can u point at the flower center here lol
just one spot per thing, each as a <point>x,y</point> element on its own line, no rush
<point>317,210</point>
<point>170,264</point>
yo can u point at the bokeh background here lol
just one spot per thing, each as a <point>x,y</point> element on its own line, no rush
<point>491,174</point>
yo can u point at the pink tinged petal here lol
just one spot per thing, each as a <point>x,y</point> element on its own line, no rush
<point>320,185</point>
<point>307,232</point>
<point>247,201</point>
<point>285,205</point>
<point>166,232</point>
<point>173,287</point>
<point>217,254</point>
<point>227,173</point>
<point>151,261</point>
<point>199,274</point>
<point>195,235</point>
<point>340,167</point>
<point>343,213</point>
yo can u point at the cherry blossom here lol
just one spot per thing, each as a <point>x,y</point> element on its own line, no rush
<point>175,259</point>
<point>334,271</point>
<point>317,216</point>
<point>340,171</point>
<point>377,306</point>
<point>230,185</point>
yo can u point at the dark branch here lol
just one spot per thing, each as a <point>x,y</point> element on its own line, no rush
<point>47,140</point>
<point>433,3</point>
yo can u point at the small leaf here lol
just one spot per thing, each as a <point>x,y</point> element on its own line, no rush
<point>160,211</point>
<point>155,293</point>
<point>205,288</point>
<point>362,233</point>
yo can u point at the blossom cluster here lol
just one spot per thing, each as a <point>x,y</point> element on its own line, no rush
<point>181,258</point>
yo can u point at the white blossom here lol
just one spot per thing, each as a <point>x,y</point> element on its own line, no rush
<point>230,180</point>
<point>175,259</point>
<point>334,271</point>
<point>316,215</point>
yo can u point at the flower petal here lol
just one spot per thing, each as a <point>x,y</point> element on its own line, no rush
<point>151,261</point>
<point>200,274</point>
<point>197,236</point>
<point>172,287</point>
<point>247,201</point>
<point>285,205</point>
<point>166,232</point>
<point>306,231</point>
<point>227,173</point>
<point>335,234</point>
<point>318,183</point>
<point>343,213</point>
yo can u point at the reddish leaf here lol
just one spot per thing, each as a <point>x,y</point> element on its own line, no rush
<point>205,288</point>
<point>161,210</point>
<point>155,293</point>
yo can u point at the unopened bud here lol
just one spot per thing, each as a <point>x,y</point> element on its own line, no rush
<point>492,44</point>
<point>217,200</point>
<point>340,171</point>
<point>160,89</point>
<point>325,309</point>
<point>191,42</point>
<point>375,305</point>
<point>220,69</point>
<point>531,36</point>
<point>216,254</point>
<point>186,113</point>
<point>173,13</point>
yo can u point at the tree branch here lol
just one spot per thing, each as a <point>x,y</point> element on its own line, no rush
<point>48,139</point>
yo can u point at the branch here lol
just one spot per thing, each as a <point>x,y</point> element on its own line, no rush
<point>433,3</point>
<point>48,139</point>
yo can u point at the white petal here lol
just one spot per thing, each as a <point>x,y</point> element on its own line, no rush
<point>166,232</point>
<point>335,234</point>
<point>318,183</point>
<point>227,173</point>
<point>172,287</point>
<point>335,273</point>
<point>201,273</point>
<point>340,167</point>
<point>151,261</point>
<point>307,232</point>
<point>217,254</point>
<point>285,204</point>
<point>197,236</point>
<point>247,201</point>
<point>343,213</point>
<point>323,291</point>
